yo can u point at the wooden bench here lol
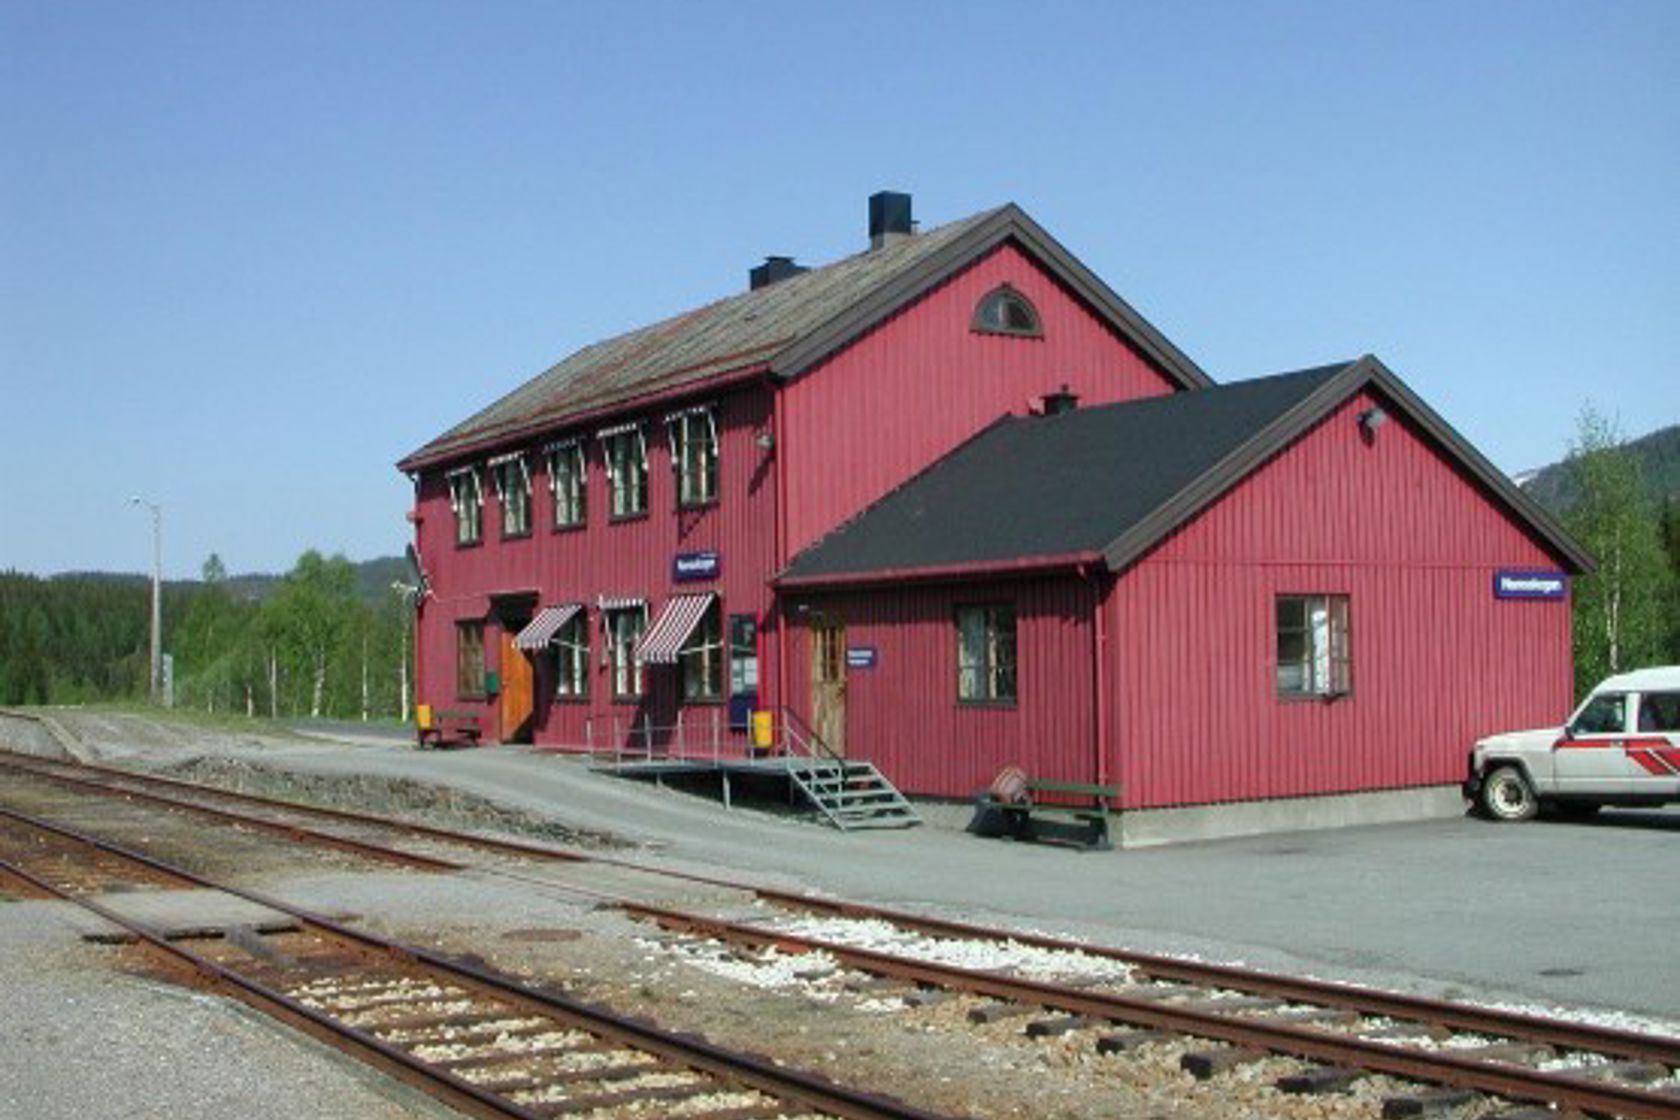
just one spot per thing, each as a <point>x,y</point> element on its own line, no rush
<point>451,727</point>
<point>1079,818</point>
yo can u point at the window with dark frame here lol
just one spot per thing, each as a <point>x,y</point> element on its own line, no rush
<point>986,654</point>
<point>469,659</point>
<point>626,451</point>
<point>1006,311</point>
<point>571,658</point>
<point>568,481</point>
<point>466,499</point>
<point>1313,658</point>
<point>624,628</point>
<point>694,455</point>
<point>513,488</point>
<point>701,657</point>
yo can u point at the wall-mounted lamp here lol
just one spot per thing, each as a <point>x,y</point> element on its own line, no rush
<point>1370,420</point>
<point>765,439</point>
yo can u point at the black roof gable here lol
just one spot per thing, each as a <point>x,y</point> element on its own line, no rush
<point>1105,484</point>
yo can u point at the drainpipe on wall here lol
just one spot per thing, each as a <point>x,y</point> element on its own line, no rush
<point>1099,649</point>
<point>779,433</point>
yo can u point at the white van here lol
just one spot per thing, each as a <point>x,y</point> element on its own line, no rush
<point>1621,747</point>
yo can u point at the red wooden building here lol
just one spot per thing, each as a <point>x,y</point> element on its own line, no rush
<point>954,504</point>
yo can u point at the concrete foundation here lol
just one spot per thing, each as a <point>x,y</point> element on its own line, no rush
<point>1142,828</point>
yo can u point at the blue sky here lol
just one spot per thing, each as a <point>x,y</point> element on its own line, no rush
<point>251,254</point>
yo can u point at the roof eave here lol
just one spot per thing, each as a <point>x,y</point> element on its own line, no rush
<point>1009,222</point>
<point>1274,437</point>
<point>426,457</point>
<point>940,573</point>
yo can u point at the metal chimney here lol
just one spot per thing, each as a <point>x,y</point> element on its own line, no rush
<point>889,218</point>
<point>772,270</point>
<point>1060,401</point>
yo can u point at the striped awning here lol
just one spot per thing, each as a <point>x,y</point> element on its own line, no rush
<point>676,622</point>
<point>548,622</point>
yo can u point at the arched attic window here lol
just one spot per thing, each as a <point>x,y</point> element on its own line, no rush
<point>1003,310</point>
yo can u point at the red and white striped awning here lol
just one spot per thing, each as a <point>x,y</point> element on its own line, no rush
<point>676,622</point>
<point>542,629</point>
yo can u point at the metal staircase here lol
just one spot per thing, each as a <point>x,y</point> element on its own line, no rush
<point>852,794</point>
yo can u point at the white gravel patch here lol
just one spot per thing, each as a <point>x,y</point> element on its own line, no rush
<point>979,955</point>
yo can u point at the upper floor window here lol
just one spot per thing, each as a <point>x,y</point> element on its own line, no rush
<point>694,455</point>
<point>1312,645</point>
<point>513,488</point>
<point>626,452</point>
<point>986,654</point>
<point>1006,311</point>
<point>567,478</point>
<point>466,498</point>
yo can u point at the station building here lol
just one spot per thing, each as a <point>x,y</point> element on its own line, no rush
<point>951,504</point>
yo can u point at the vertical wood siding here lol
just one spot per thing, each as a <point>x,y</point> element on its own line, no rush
<point>1437,660</point>
<point>629,558</point>
<point>922,382</point>
<point>903,714</point>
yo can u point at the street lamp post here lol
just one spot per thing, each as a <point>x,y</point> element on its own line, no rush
<point>157,595</point>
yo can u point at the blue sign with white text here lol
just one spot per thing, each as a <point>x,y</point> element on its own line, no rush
<point>860,657</point>
<point>1508,584</point>
<point>695,565</point>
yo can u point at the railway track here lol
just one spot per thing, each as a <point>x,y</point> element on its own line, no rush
<point>487,1044</point>
<point>1339,1032</point>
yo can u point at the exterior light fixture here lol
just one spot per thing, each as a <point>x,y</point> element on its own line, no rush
<point>1372,419</point>
<point>765,439</point>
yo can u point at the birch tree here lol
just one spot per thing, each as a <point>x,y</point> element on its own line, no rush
<point>1619,609</point>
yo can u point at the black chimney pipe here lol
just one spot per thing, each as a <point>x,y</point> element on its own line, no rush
<point>772,270</point>
<point>889,218</point>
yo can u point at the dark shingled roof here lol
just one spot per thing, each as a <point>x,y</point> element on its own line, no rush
<point>1104,484</point>
<point>783,329</point>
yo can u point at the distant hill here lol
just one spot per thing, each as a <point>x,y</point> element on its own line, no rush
<point>1659,461</point>
<point>373,580</point>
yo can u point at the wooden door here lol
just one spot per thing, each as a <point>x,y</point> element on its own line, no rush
<point>828,682</point>
<point>516,692</point>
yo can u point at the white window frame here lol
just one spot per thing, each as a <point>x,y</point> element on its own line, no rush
<point>512,474</point>
<point>702,656</point>
<point>568,482</point>
<point>571,658</point>
<point>1324,667</point>
<point>466,500</point>
<point>622,630</point>
<point>693,438</point>
<point>625,450</point>
<point>987,653</point>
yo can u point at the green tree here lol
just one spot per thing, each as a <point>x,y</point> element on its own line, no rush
<point>310,617</point>
<point>1619,609</point>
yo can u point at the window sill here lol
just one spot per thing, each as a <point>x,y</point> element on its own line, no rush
<point>691,507</point>
<point>479,543</point>
<point>526,535</point>
<point>621,518</point>
<point>569,699</point>
<point>629,698</point>
<point>1313,697</point>
<point>1005,332</point>
<point>1004,705</point>
<point>703,701</point>
<point>572,527</point>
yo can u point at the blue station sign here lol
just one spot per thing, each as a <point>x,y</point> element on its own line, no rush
<point>1522,584</point>
<point>689,566</point>
<point>860,657</point>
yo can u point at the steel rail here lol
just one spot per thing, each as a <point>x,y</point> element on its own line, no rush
<point>291,831</point>
<point>803,1089</point>
<point>1371,1001</point>
<point>33,763</point>
<point>1438,1067</point>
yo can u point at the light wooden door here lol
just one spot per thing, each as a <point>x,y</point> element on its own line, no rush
<point>828,682</point>
<point>516,692</point>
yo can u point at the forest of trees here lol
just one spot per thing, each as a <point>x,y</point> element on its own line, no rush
<point>316,642</point>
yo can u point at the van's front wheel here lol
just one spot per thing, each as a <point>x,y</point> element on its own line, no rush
<point>1507,796</point>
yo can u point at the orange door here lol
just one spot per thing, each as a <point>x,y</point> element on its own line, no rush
<point>516,693</point>
<point>828,682</point>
